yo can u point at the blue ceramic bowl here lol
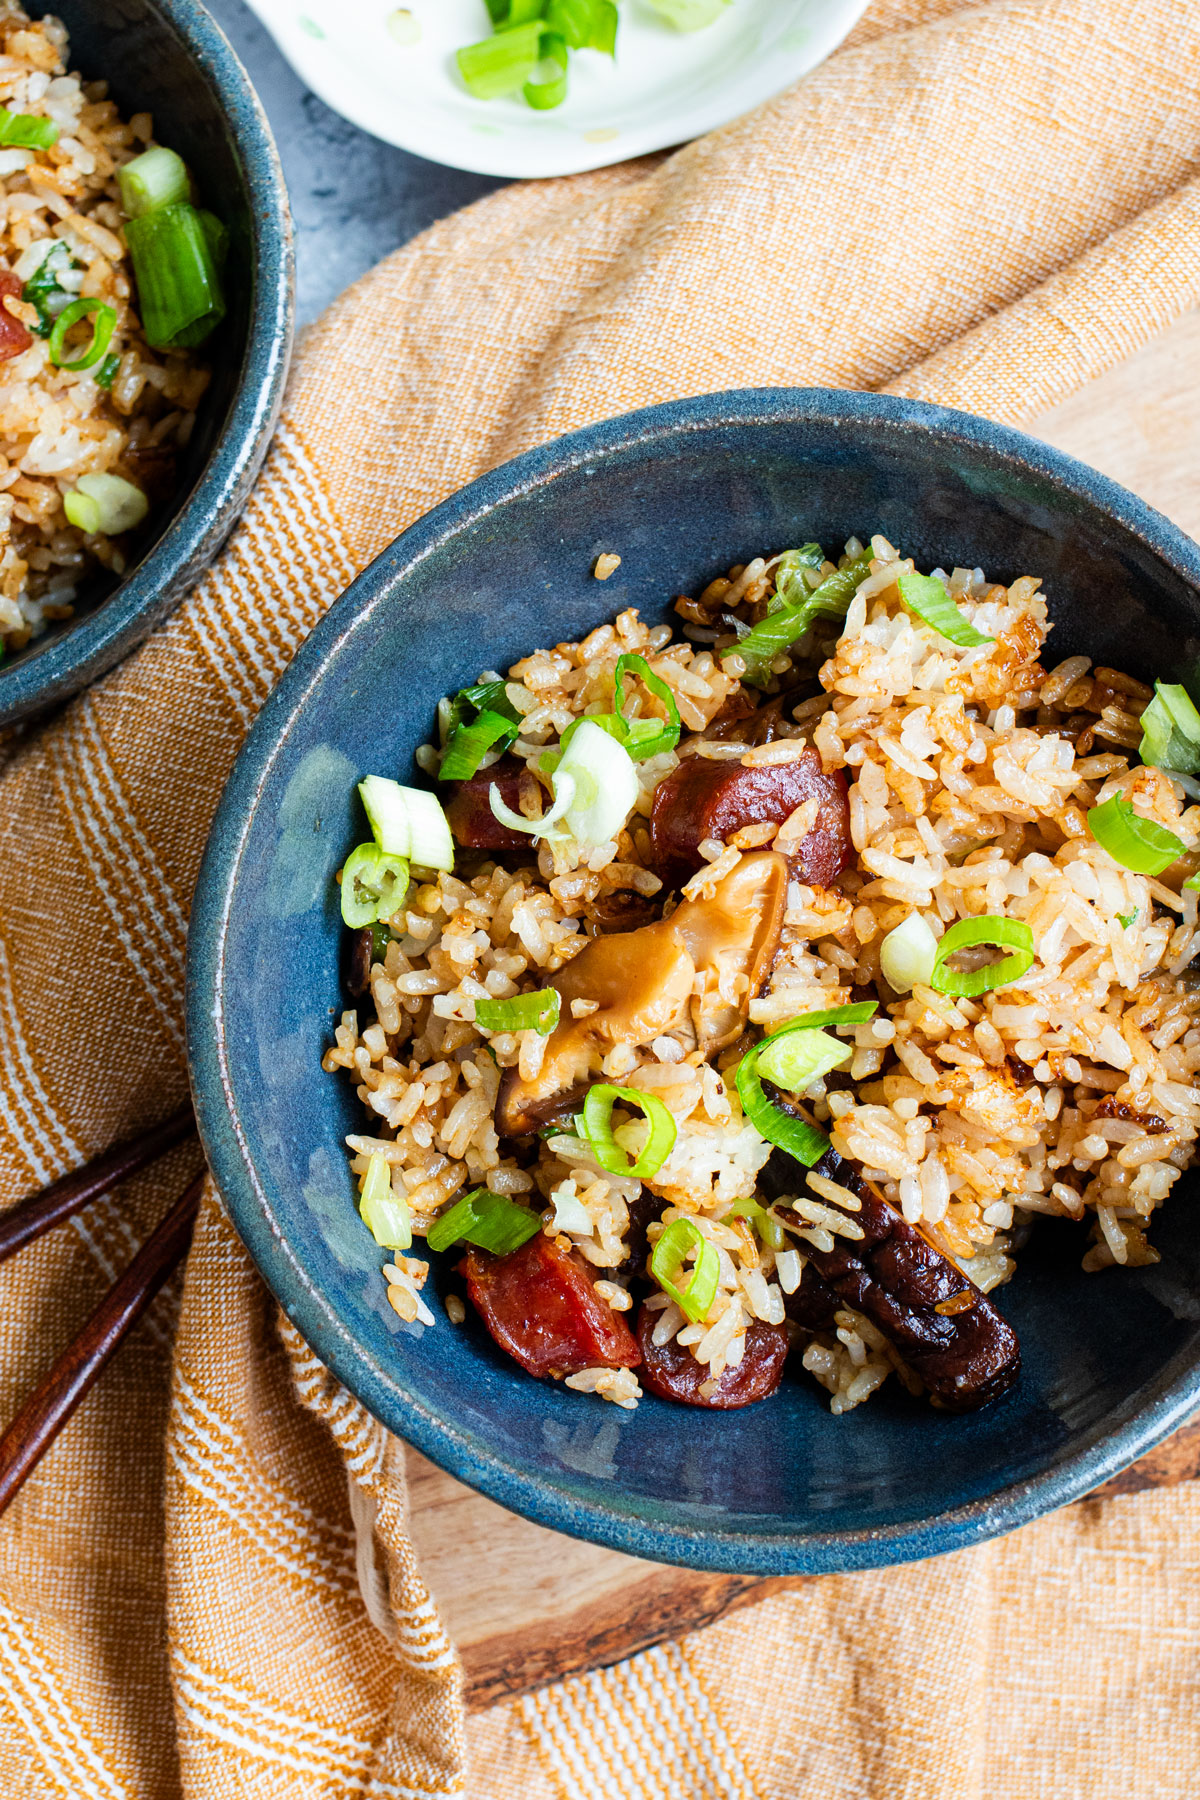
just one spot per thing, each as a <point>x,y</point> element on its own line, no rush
<point>171,58</point>
<point>1111,1362</point>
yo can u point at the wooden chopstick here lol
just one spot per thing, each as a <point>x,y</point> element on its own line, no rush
<point>39,1212</point>
<point>61,1389</point>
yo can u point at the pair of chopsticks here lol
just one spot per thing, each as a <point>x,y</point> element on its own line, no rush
<point>64,1385</point>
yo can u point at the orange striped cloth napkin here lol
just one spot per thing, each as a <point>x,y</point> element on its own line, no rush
<point>208,1588</point>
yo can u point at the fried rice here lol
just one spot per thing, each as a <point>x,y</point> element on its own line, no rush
<point>56,424</point>
<point>1070,1093</point>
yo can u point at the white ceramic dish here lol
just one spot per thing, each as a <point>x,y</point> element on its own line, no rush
<point>663,87</point>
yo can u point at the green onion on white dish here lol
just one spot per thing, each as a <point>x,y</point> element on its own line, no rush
<point>676,69</point>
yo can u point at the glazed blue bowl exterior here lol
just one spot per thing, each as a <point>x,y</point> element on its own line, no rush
<point>1111,1361</point>
<point>169,57</point>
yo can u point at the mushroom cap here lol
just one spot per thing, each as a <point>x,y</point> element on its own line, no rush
<point>695,972</point>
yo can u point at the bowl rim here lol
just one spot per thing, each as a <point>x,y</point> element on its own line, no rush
<point>101,637</point>
<point>1172,1397</point>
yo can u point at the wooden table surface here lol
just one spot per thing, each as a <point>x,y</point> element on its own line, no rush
<point>526,1605</point>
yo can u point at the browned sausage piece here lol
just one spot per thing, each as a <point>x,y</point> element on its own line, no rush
<point>539,1305</point>
<point>14,337</point>
<point>672,1372</point>
<point>472,820</point>
<point>949,1333</point>
<point>358,963</point>
<point>706,798</point>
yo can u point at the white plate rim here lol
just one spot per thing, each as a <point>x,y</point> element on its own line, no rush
<point>555,154</point>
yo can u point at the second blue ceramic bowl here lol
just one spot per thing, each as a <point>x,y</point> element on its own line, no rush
<point>169,57</point>
<point>1111,1361</point>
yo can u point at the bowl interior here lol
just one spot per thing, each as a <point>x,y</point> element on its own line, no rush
<point>149,65</point>
<point>681,493</point>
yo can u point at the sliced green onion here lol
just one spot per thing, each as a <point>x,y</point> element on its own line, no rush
<point>907,954</point>
<point>602,35</point>
<point>572,20</point>
<point>1193,881</point>
<point>105,503</point>
<point>770,1231</point>
<point>155,178</point>
<point>488,696</point>
<point>408,822</point>
<point>1136,843</point>
<point>595,1126</point>
<point>386,1217</point>
<point>681,1239</point>
<point>471,743</point>
<point>44,291</point>
<point>1171,730</point>
<point>524,1012</point>
<point>27,131</point>
<point>801,1140</point>
<point>1125,920</point>
<point>925,595</point>
<point>772,635</point>
<point>547,86</point>
<point>102,329</point>
<point>1012,935</point>
<point>179,289</point>
<point>501,64</point>
<point>595,788</point>
<point>106,373</point>
<point>789,586</point>
<point>798,1058</point>
<point>646,737</point>
<point>485,1219</point>
<point>800,1052</point>
<point>374,884</point>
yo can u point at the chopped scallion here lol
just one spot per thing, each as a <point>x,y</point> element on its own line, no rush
<point>106,373</point>
<point>179,289</point>
<point>1171,730</point>
<point>1012,935</point>
<point>925,595</point>
<point>596,1126</point>
<point>156,178</point>
<point>408,822</point>
<point>44,291</point>
<point>794,1059</point>
<point>771,1232</point>
<point>502,64</point>
<point>1125,920</point>
<point>646,737</point>
<point>1136,843</point>
<point>106,503</point>
<point>27,131</point>
<point>547,86</point>
<point>374,884</point>
<point>801,1140</point>
<point>471,743</point>
<point>907,954</point>
<point>386,1217</point>
<point>103,326</point>
<point>782,628</point>
<point>683,1238</point>
<point>487,1220</point>
<point>524,1012</point>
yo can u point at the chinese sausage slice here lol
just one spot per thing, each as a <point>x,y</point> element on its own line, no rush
<point>948,1331</point>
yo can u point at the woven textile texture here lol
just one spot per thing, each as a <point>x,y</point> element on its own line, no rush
<point>207,1589</point>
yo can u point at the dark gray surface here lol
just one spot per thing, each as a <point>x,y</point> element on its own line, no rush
<point>353,198</point>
